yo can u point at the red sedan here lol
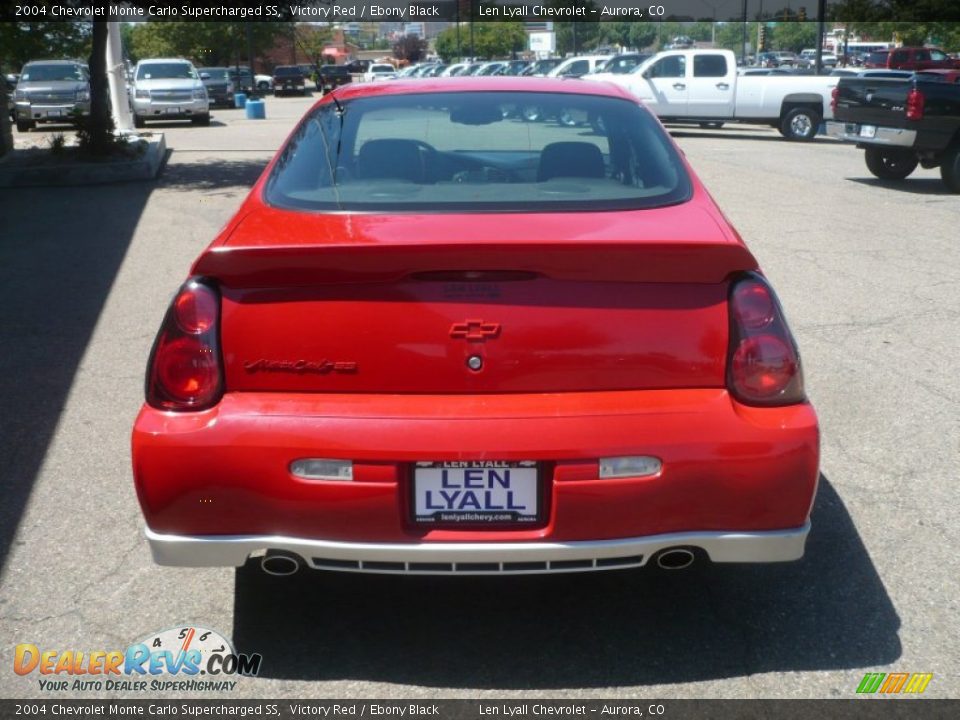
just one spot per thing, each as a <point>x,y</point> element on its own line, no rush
<point>438,338</point>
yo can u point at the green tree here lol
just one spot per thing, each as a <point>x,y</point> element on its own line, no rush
<point>205,43</point>
<point>410,48</point>
<point>794,36</point>
<point>642,34</point>
<point>24,41</point>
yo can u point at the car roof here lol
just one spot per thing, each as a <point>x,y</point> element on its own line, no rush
<point>484,84</point>
<point>152,61</point>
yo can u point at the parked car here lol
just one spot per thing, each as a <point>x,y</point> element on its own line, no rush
<point>901,124</point>
<point>380,71</point>
<point>51,91</point>
<point>169,89</point>
<point>333,76</point>
<point>514,68</point>
<point>919,58</point>
<point>435,340</point>
<point>540,68</point>
<point>876,59</point>
<point>578,66</point>
<point>289,79</point>
<point>219,87</point>
<point>624,63</point>
<point>454,69</point>
<point>10,81</point>
<point>703,86</point>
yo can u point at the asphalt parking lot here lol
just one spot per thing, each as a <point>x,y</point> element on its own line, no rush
<point>869,276</point>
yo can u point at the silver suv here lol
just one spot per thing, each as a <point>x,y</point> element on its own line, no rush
<point>168,89</point>
<point>51,91</point>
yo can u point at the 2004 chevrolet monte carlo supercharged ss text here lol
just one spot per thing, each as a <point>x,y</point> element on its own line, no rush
<point>437,338</point>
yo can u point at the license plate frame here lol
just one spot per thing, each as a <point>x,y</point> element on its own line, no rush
<point>868,132</point>
<point>491,502</point>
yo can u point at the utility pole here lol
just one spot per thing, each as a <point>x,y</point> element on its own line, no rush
<point>821,11</point>
<point>743,53</point>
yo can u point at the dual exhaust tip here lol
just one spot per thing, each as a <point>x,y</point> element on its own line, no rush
<point>282,564</point>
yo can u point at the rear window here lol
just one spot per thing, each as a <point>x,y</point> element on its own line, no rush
<point>477,152</point>
<point>287,71</point>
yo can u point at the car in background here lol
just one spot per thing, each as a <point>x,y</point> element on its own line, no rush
<point>380,71</point>
<point>578,66</point>
<point>434,340</point>
<point>471,69</point>
<point>435,71</point>
<point>514,68</point>
<point>330,77</point>
<point>623,63</point>
<point>490,68</point>
<point>876,59</point>
<point>10,82</point>
<point>542,67</point>
<point>220,88</point>
<point>454,69</point>
<point>169,89</point>
<point>289,79</point>
<point>920,58</point>
<point>48,91</point>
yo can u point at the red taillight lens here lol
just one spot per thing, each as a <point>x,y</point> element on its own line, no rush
<point>185,369</point>
<point>833,99</point>
<point>763,367</point>
<point>915,103</point>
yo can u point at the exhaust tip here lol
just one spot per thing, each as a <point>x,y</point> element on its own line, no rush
<point>280,564</point>
<point>675,559</point>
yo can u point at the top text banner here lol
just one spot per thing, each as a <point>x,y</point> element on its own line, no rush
<point>531,11</point>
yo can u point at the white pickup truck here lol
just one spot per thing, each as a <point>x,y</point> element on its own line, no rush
<point>702,86</point>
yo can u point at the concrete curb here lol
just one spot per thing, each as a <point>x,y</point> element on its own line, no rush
<point>52,173</point>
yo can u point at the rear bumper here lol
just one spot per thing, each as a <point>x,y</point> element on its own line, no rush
<point>893,137</point>
<point>479,558</point>
<point>215,485</point>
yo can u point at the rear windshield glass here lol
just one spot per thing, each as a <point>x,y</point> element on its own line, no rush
<point>164,71</point>
<point>287,71</point>
<point>53,73</point>
<point>215,73</point>
<point>478,151</point>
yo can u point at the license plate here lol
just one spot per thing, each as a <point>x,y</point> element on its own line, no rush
<point>464,492</point>
<point>54,113</point>
<point>868,131</point>
<point>172,111</point>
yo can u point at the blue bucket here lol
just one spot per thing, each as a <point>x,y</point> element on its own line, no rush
<point>239,100</point>
<point>256,110</point>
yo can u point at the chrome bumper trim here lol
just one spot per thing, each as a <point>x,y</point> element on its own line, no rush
<point>465,558</point>
<point>850,132</point>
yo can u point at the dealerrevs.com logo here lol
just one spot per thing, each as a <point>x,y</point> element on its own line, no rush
<point>186,658</point>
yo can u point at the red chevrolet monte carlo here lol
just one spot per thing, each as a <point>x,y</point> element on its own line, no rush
<point>436,338</point>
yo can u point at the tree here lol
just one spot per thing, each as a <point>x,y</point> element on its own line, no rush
<point>96,131</point>
<point>410,48</point>
<point>490,40</point>
<point>205,43</point>
<point>642,34</point>
<point>24,41</point>
<point>795,36</point>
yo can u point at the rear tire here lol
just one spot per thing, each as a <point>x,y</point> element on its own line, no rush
<point>25,125</point>
<point>201,119</point>
<point>139,122</point>
<point>950,169</point>
<point>801,124</point>
<point>890,164</point>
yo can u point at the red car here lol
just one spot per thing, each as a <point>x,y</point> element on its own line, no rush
<point>436,338</point>
<point>920,58</point>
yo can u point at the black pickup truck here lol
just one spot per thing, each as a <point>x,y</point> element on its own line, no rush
<point>330,77</point>
<point>902,123</point>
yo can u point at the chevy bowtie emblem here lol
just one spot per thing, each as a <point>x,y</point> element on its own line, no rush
<point>475,331</point>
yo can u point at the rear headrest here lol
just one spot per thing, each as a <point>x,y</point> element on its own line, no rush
<point>391,159</point>
<point>570,159</point>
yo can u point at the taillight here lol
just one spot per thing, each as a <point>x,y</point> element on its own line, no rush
<point>915,102</point>
<point>763,367</point>
<point>185,371</point>
<point>833,98</point>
